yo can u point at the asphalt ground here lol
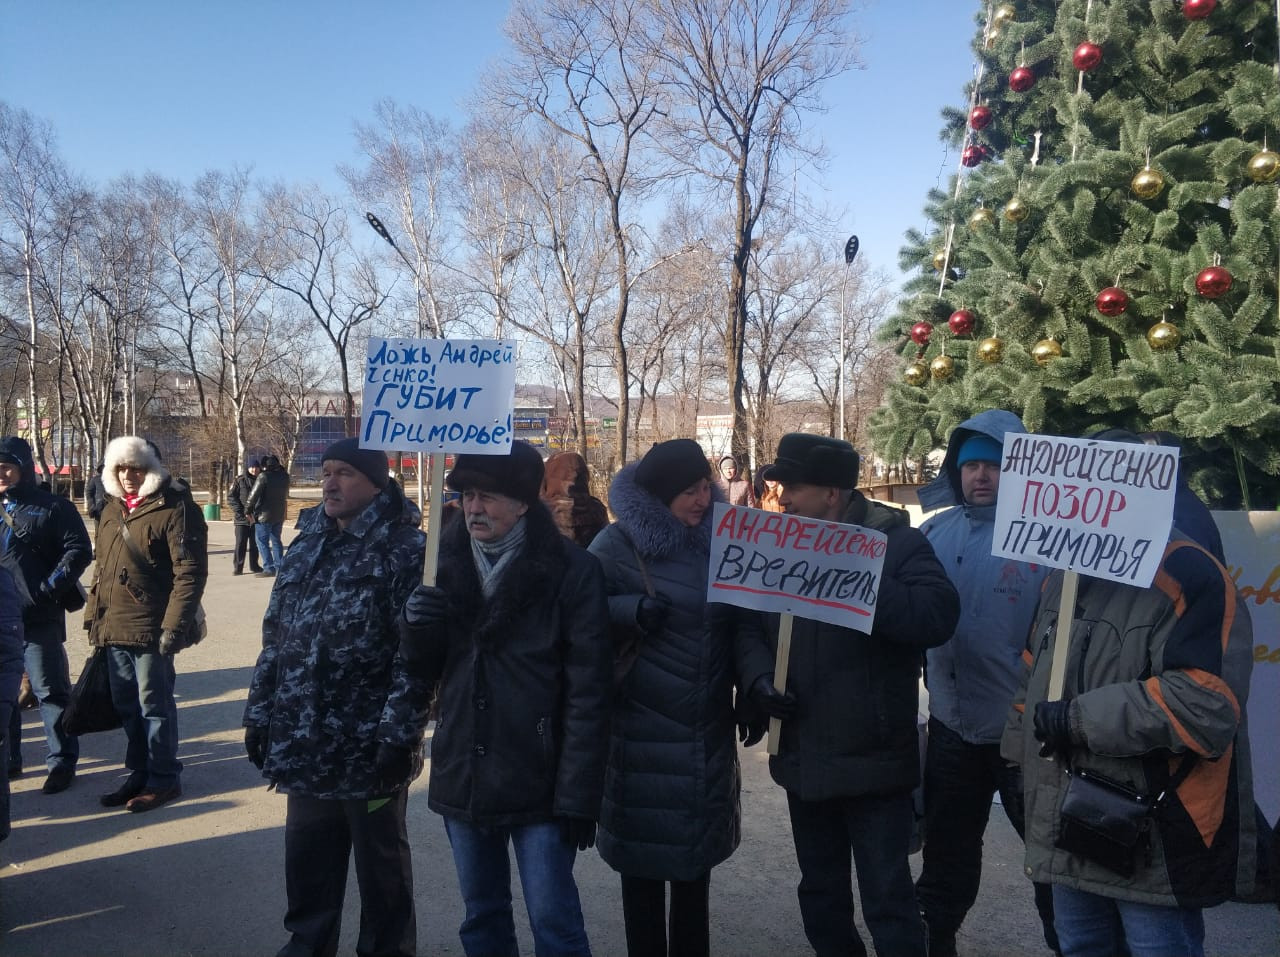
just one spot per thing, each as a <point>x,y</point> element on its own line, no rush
<point>204,875</point>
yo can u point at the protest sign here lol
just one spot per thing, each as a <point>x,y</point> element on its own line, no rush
<point>1102,509</point>
<point>439,395</point>
<point>790,564</point>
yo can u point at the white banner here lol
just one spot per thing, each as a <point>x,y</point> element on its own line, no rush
<point>803,566</point>
<point>1251,543</point>
<point>439,395</point>
<point>1098,508</point>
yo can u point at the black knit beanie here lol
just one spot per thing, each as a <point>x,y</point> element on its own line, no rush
<point>372,462</point>
<point>669,468</point>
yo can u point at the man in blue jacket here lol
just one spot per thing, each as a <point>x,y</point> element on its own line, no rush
<point>972,680</point>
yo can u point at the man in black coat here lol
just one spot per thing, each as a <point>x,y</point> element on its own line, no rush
<point>45,546</point>
<point>516,633</point>
<point>849,752</point>
<point>238,498</point>
<point>268,503</point>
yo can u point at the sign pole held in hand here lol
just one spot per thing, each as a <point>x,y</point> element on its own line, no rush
<point>780,676</point>
<point>432,559</point>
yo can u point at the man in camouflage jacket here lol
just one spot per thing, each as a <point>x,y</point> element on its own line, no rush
<point>333,719</point>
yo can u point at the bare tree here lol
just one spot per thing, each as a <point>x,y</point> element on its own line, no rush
<point>739,75</point>
<point>307,254</point>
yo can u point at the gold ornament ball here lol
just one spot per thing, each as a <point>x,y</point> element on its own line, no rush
<point>1016,210</point>
<point>993,34</point>
<point>1163,336</point>
<point>916,374</point>
<point>942,368</point>
<point>991,350</point>
<point>1264,166</point>
<point>1148,183</point>
<point>981,218</point>
<point>940,260</point>
<point>1004,13</point>
<point>1045,351</point>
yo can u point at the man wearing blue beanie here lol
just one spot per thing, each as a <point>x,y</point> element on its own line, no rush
<point>972,680</point>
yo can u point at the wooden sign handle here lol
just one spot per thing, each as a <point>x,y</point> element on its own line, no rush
<point>780,676</point>
<point>431,558</point>
<point>1062,638</point>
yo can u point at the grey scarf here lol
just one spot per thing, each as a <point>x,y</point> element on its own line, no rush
<point>492,558</point>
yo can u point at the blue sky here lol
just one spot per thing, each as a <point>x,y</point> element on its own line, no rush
<point>182,87</point>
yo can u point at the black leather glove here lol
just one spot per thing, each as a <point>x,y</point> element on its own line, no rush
<point>771,701</point>
<point>394,765</point>
<point>170,643</point>
<point>255,745</point>
<point>750,732</point>
<point>1053,727</point>
<point>579,831</point>
<point>651,614</point>
<point>426,606</point>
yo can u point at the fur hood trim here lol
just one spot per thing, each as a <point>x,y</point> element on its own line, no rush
<point>654,531</point>
<point>132,450</point>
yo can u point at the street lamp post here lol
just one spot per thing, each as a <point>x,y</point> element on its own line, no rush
<point>850,251</point>
<point>420,327</point>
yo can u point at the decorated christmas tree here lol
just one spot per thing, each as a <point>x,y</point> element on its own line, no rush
<point>1108,252</point>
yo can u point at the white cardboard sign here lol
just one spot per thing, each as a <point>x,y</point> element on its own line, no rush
<point>806,567</point>
<point>439,395</point>
<point>1098,508</point>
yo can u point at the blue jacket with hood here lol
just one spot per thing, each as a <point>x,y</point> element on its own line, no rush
<point>972,679</point>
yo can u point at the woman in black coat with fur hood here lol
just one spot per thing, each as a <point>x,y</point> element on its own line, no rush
<point>670,810</point>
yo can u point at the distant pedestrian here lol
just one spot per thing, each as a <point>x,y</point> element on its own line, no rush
<point>95,496</point>
<point>45,546</point>
<point>516,631</point>
<point>268,503</point>
<point>335,719</point>
<point>736,487</point>
<point>153,561</point>
<point>246,539</point>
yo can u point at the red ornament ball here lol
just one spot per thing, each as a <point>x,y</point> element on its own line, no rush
<point>1022,79</point>
<point>980,117</point>
<point>1112,301</point>
<point>962,322</point>
<point>973,154</point>
<point>1213,283</point>
<point>1086,56</point>
<point>1198,9</point>
<point>921,332</point>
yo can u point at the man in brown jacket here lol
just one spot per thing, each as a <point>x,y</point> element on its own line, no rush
<point>153,561</point>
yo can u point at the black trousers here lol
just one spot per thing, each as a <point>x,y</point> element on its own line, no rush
<point>245,540</point>
<point>959,781</point>
<point>644,912</point>
<point>319,838</point>
<point>875,832</point>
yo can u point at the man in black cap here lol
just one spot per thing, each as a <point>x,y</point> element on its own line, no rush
<point>246,539</point>
<point>849,753</point>
<point>335,720</point>
<point>516,632</point>
<point>45,546</point>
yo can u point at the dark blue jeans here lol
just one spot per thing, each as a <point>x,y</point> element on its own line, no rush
<point>960,780</point>
<point>270,547</point>
<point>142,691</point>
<point>1089,926</point>
<point>875,830</point>
<point>545,861</point>
<point>45,658</point>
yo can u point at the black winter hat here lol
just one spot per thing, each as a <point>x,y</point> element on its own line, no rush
<point>517,475</point>
<point>16,451</point>
<point>668,468</point>
<point>372,462</point>
<point>814,460</point>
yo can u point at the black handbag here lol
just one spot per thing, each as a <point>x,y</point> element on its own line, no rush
<point>90,708</point>
<point>1109,823</point>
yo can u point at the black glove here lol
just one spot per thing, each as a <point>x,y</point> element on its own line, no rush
<point>170,643</point>
<point>750,732</point>
<point>651,614</point>
<point>1053,727</point>
<point>578,831</point>
<point>255,745</point>
<point>771,701</point>
<point>426,606</point>
<point>394,764</point>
